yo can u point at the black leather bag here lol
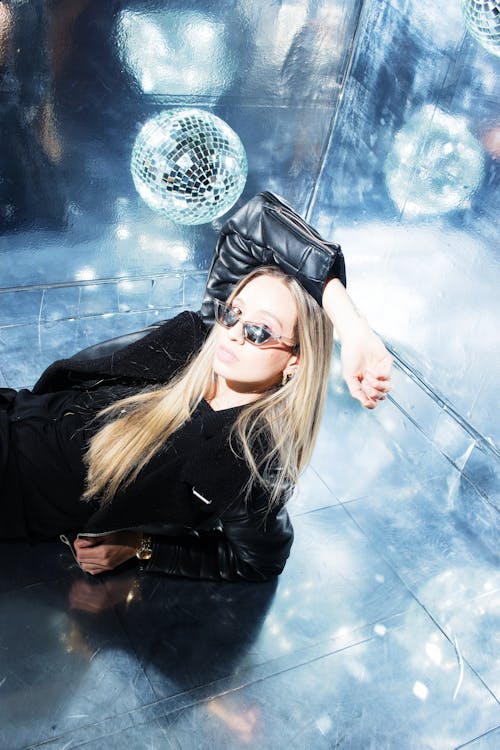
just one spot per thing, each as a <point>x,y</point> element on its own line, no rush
<point>267,231</point>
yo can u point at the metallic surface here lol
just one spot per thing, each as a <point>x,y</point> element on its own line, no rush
<point>381,631</point>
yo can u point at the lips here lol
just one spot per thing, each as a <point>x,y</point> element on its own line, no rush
<point>226,356</point>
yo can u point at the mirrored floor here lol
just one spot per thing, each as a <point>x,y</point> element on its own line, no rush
<point>380,633</point>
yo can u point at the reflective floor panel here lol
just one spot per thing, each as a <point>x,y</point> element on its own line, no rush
<point>379,634</point>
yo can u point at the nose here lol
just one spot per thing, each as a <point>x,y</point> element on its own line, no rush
<point>236,333</point>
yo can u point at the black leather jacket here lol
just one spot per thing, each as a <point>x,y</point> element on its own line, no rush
<point>246,541</point>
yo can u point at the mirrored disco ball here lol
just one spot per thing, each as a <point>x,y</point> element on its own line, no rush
<point>482,18</point>
<point>189,165</point>
<point>435,164</point>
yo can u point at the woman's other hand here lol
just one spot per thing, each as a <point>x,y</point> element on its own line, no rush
<point>366,363</point>
<point>101,554</point>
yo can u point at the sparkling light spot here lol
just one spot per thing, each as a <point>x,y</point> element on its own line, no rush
<point>86,273</point>
<point>420,690</point>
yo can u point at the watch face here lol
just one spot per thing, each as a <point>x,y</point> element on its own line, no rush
<point>145,550</point>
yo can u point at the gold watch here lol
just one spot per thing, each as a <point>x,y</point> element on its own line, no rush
<point>145,549</point>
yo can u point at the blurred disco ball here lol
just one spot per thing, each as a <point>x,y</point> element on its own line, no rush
<point>189,165</point>
<point>435,164</point>
<point>482,18</point>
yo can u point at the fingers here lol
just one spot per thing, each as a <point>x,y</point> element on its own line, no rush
<point>384,366</point>
<point>94,567</point>
<point>356,390</point>
<point>100,557</point>
<point>375,387</point>
<point>94,555</point>
<point>369,391</point>
<point>92,558</point>
<point>88,542</point>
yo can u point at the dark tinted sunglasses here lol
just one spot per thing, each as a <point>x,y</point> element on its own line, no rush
<point>254,333</point>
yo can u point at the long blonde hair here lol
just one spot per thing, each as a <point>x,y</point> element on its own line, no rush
<point>285,419</point>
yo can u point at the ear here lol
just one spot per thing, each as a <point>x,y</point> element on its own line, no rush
<point>292,364</point>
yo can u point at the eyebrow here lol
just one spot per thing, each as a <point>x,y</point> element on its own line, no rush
<point>237,300</point>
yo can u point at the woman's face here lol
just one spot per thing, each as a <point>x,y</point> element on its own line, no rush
<point>251,369</point>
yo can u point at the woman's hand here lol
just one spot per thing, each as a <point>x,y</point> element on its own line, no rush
<point>366,363</point>
<point>101,554</point>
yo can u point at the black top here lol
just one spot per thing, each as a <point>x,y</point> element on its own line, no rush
<point>231,536</point>
<point>191,496</point>
<point>44,470</point>
<point>48,437</point>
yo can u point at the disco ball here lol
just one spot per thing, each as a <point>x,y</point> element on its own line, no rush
<point>189,165</point>
<point>482,18</point>
<point>435,164</point>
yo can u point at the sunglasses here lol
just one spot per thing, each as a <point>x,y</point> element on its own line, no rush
<point>254,333</point>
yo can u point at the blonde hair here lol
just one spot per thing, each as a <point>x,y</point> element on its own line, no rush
<point>275,434</point>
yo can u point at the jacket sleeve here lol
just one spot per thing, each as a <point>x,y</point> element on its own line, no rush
<point>153,355</point>
<point>250,545</point>
<point>267,232</point>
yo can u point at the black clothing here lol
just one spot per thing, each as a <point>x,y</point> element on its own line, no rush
<point>190,496</point>
<point>266,231</point>
<point>145,361</point>
<point>262,232</point>
<point>47,439</point>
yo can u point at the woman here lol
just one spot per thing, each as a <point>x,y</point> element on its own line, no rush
<point>191,477</point>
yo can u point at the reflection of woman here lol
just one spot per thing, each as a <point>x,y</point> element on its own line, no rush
<point>192,476</point>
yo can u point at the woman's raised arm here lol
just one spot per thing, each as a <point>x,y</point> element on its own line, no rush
<point>366,363</point>
<point>265,231</point>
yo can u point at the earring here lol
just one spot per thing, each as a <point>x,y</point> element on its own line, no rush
<point>286,377</point>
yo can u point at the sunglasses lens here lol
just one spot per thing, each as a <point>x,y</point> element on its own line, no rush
<point>257,334</point>
<point>224,315</point>
<point>252,332</point>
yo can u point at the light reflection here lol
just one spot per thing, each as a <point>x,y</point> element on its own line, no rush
<point>433,652</point>
<point>324,724</point>
<point>242,723</point>
<point>441,25</point>
<point>172,52</point>
<point>342,632</point>
<point>357,669</point>
<point>420,690</point>
<point>289,20</point>
<point>86,273</point>
<point>176,251</point>
<point>122,232</point>
<point>126,286</point>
